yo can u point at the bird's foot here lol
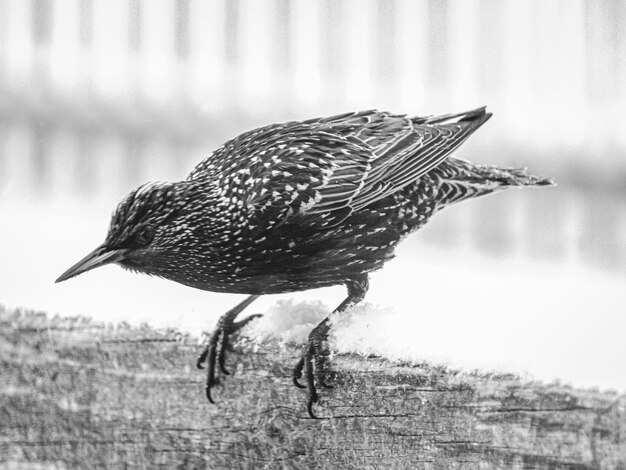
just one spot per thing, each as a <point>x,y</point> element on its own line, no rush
<point>313,362</point>
<point>215,350</point>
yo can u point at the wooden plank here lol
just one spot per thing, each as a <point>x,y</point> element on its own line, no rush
<point>79,394</point>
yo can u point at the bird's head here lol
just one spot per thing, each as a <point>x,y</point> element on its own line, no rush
<point>146,228</point>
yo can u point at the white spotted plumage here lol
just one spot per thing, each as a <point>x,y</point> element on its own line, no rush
<point>306,204</point>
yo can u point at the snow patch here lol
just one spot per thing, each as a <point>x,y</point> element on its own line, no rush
<point>288,321</point>
<point>364,329</point>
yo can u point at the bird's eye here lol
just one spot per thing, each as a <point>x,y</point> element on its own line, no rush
<point>144,236</point>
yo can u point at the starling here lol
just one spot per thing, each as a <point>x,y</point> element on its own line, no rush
<point>296,206</point>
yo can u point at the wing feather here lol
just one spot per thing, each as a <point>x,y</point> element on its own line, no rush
<point>424,146</point>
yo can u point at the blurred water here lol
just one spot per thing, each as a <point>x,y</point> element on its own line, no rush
<point>99,96</point>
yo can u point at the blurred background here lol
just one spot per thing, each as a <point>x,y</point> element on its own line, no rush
<point>98,96</point>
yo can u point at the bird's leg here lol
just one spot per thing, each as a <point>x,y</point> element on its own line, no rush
<point>313,360</point>
<point>215,350</point>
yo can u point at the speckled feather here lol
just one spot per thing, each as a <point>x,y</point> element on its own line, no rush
<point>308,204</point>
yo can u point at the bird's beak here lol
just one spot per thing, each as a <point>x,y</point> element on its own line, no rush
<point>98,257</point>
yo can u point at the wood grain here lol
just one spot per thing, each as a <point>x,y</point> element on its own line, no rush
<point>79,394</point>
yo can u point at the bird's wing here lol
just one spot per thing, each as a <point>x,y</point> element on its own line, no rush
<point>326,168</point>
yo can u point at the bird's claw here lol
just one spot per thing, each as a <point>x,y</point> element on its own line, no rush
<point>202,357</point>
<point>297,373</point>
<point>313,363</point>
<point>313,398</point>
<point>215,350</point>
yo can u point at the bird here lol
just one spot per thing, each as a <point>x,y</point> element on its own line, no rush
<point>296,206</point>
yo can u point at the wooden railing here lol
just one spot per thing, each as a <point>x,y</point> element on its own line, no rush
<point>77,394</point>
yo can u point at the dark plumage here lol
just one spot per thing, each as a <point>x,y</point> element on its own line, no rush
<point>296,206</point>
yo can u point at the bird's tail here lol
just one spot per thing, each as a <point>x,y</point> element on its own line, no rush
<point>481,180</point>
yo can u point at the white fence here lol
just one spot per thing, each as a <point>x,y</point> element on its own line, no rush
<point>97,95</point>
